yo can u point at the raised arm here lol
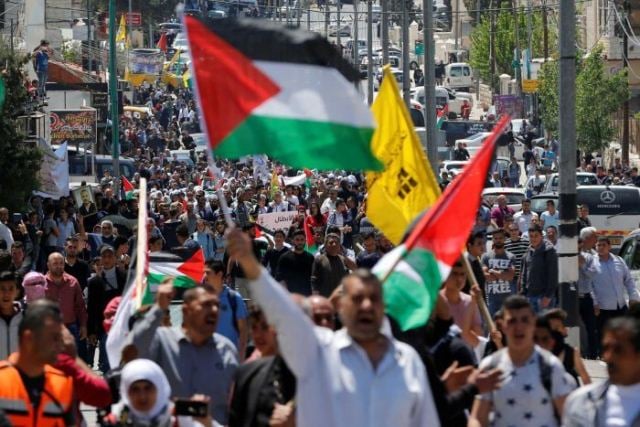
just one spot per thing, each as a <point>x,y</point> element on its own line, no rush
<point>296,335</point>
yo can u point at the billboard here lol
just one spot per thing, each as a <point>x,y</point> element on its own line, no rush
<point>73,126</point>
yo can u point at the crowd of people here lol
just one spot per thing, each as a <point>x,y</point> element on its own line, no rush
<point>287,326</point>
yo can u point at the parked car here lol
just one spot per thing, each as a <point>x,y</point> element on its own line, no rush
<point>458,75</point>
<point>630,253</point>
<point>582,178</point>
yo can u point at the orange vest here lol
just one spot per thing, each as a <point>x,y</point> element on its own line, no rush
<point>55,401</point>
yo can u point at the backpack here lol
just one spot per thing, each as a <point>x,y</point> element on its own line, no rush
<point>232,296</point>
<point>546,370</point>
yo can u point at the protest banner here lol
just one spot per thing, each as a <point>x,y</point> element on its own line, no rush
<point>277,220</point>
<point>54,172</point>
<point>73,126</point>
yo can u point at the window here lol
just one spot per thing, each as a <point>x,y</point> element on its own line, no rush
<point>455,72</point>
<point>466,71</point>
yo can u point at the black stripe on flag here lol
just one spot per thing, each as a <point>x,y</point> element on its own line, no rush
<point>263,40</point>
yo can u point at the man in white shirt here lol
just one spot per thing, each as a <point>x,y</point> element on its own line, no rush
<point>614,402</point>
<point>357,376</point>
<point>524,217</point>
<point>535,384</point>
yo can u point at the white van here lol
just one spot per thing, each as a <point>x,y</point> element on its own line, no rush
<point>614,210</point>
<point>459,76</point>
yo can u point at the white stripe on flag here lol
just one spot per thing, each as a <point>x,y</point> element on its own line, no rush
<point>313,92</point>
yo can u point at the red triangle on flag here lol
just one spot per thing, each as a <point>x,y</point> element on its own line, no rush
<point>229,85</point>
<point>194,266</point>
<point>444,228</point>
<point>127,185</point>
<point>162,43</point>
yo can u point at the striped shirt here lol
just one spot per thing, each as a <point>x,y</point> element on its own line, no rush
<point>518,249</point>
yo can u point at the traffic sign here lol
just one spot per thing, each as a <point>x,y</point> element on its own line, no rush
<point>529,86</point>
<point>134,18</point>
<point>419,49</point>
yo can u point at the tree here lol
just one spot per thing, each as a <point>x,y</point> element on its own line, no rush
<point>598,95</point>
<point>20,161</point>
<point>505,41</point>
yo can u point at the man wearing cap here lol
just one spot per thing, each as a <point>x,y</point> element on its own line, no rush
<point>329,205</point>
<point>102,288</point>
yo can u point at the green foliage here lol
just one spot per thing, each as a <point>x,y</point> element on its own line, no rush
<point>598,95</point>
<point>20,161</point>
<point>505,41</point>
<point>548,94</point>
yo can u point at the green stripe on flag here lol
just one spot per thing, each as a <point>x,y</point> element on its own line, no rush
<point>302,143</point>
<point>411,290</point>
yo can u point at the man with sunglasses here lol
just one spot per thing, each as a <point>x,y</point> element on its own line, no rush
<point>534,385</point>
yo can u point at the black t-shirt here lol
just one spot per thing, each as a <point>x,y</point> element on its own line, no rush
<point>295,270</point>
<point>80,270</point>
<point>34,387</point>
<point>271,258</point>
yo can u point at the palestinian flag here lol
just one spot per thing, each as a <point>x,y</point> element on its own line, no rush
<point>442,116</point>
<point>266,89</point>
<point>186,273</point>
<point>128,188</point>
<point>163,43</point>
<point>413,272</point>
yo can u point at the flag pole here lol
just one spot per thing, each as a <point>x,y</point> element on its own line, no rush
<point>142,242</point>
<point>482,305</point>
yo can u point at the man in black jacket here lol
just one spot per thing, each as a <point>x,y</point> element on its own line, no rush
<point>102,289</point>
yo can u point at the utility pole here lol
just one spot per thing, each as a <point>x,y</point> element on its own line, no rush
<point>456,23</point>
<point>11,34</point>
<point>518,58</point>
<point>384,33</point>
<point>406,82</point>
<point>150,35</point>
<point>568,241</point>
<point>529,35</point>
<point>113,95</point>
<point>476,71</point>
<point>370,51</point>
<point>356,46</point>
<point>338,17</point>
<point>89,44</point>
<point>492,48</point>
<point>308,19</point>
<point>128,21</point>
<point>327,17</point>
<point>625,108</point>
<point>545,30</point>
<point>429,83</point>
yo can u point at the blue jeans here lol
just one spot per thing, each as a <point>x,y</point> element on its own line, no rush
<point>42,81</point>
<point>536,303</point>
<point>81,345</point>
<point>103,360</point>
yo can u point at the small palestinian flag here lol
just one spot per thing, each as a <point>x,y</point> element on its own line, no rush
<point>186,273</point>
<point>267,89</point>
<point>128,188</point>
<point>414,271</point>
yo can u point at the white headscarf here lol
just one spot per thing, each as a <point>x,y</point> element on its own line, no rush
<point>147,370</point>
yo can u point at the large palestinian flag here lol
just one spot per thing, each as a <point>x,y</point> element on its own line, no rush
<point>266,89</point>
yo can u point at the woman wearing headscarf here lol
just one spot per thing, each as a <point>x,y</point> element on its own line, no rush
<point>145,399</point>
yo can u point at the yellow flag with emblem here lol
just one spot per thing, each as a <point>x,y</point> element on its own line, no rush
<point>121,35</point>
<point>407,185</point>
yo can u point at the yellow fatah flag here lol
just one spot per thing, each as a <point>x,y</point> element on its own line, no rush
<point>407,185</point>
<point>121,35</point>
